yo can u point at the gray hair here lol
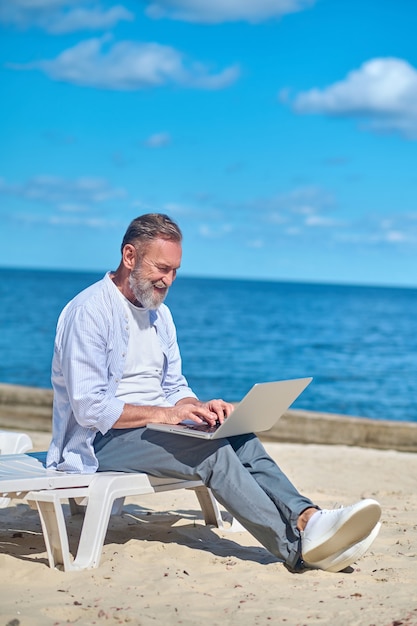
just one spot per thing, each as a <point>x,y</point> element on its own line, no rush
<point>145,228</point>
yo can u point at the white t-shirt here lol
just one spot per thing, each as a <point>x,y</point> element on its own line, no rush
<point>142,375</point>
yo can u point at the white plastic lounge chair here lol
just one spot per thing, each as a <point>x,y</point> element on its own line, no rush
<point>25,476</point>
<point>13,443</point>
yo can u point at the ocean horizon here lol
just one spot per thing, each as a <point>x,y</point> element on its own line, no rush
<point>357,342</point>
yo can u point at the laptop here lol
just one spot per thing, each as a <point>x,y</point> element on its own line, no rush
<point>258,411</point>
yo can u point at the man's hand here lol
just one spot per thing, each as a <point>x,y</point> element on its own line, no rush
<point>212,412</point>
<point>221,408</point>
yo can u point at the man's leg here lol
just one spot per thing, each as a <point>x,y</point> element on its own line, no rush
<point>334,538</point>
<point>243,478</point>
<point>268,474</point>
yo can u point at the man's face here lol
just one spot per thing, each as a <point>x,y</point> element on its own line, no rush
<point>155,272</point>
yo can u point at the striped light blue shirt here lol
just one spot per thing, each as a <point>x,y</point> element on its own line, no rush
<point>89,356</point>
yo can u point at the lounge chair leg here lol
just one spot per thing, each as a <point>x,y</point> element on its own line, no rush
<point>75,507</point>
<point>104,492</point>
<point>209,506</point>
<point>49,505</point>
<point>117,507</point>
<point>79,509</point>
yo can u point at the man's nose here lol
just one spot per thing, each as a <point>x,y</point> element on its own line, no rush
<point>169,278</point>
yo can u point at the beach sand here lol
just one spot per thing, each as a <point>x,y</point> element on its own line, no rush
<point>161,565</point>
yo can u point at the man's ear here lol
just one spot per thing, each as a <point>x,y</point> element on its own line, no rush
<point>129,256</point>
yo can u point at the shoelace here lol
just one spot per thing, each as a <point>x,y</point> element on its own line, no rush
<point>334,507</point>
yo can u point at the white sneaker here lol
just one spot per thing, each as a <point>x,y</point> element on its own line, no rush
<point>331,532</point>
<point>339,561</point>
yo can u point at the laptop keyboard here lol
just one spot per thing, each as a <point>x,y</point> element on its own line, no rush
<point>205,428</point>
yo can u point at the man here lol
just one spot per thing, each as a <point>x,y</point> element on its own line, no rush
<point>117,368</point>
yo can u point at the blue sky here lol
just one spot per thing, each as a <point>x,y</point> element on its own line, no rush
<point>280,134</point>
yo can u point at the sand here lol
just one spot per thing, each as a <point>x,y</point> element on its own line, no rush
<point>161,565</point>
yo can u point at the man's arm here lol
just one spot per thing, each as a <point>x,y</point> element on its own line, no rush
<point>186,409</point>
<point>82,374</point>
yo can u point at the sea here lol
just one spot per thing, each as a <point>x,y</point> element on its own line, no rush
<point>358,343</point>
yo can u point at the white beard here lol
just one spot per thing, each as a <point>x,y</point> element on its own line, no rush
<point>144,290</point>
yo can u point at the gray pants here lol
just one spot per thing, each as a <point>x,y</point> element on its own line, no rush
<point>241,475</point>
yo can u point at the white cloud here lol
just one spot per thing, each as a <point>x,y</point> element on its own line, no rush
<point>216,11</point>
<point>215,232</point>
<point>319,220</point>
<point>399,230</point>
<point>176,208</point>
<point>72,207</point>
<point>88,19</point>
<point>396,236</point>
<point>62,16</point>
<point>158,140</point>
<point>304,208</point>
<point>63,193</point>
<point>303,212</point>
<point>382,91</point>
<point>89,222</point>
<point>256,244</point>
<point>66,221</point>
<point>129,66</point>
<point>307,201</point>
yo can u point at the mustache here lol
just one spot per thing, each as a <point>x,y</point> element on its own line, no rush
<point>160,285</point>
